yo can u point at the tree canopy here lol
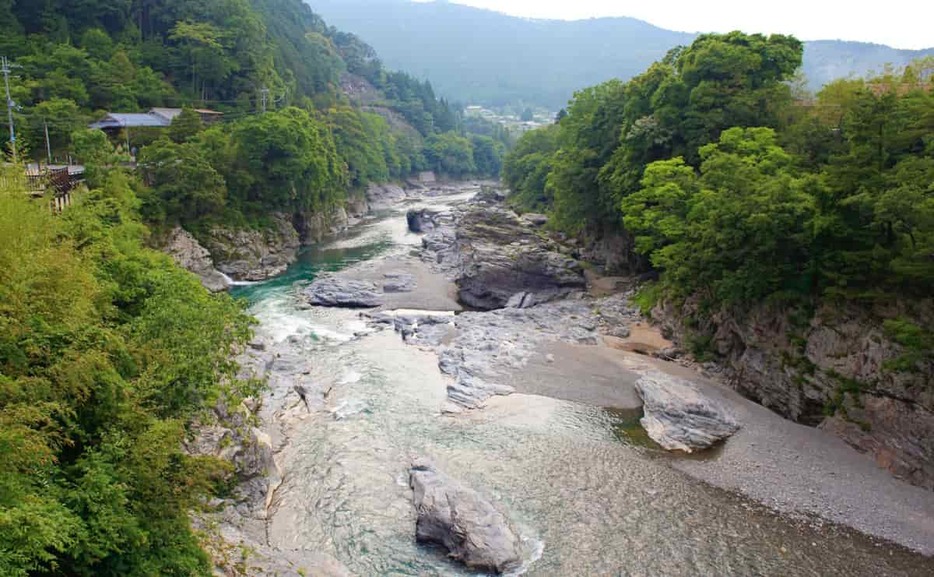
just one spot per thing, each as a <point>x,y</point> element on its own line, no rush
<point>733,190</point>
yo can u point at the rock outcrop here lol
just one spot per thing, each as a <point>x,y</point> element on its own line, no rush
<point>384,195</point>
<point>678,417</point>
<point>190,255</point>
<point>500,260</point>
<point>459,519</point>
<point>399,282</point>
<point>255,255</point>
<point>335,291</point>
<point>421,220</point>
<point>834,370</point>
<point>313,227</point>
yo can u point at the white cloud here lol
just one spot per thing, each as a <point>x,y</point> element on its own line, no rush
<point>898,23</point>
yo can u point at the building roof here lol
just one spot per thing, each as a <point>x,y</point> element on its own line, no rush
<point>132,120</point>
<point>155,118</point>
<point>171,113</point>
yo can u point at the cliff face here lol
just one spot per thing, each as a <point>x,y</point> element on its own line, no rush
<point>838,370</point>
<point>255,255</point>
<point>190,255</point>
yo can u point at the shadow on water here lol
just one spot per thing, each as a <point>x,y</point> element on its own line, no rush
<point>628,430</point>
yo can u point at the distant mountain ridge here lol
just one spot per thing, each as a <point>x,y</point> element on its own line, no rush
<point>485,57</point>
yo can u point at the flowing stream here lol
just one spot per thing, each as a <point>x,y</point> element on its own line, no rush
<point>587,500</point>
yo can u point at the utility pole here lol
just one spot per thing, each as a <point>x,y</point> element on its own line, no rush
<point>5,70</point>
<point>265,93</point>
<point>48,143</point>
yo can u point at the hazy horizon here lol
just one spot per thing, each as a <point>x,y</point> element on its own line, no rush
<point>903,24</point>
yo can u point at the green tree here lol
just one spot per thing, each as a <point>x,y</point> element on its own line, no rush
<point>450,154</point>
<point>527,166</point>
<point>657,214</point>
<point>185,126</point>
<point>746,231</point>
<point>187,186</point>
<point>107,353</point>
<point>487,155</point>
<point>92,148</point>
<point>357,143</point>
<point>61,117</point>
<point>290,163</point>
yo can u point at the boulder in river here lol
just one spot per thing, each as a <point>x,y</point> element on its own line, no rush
<point>459,519</point>
<point>499,256</point>
<point>679,417</point>
<point>332,291</point>
<point>420,220</point>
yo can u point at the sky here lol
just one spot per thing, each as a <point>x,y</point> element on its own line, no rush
<point>897,23</point>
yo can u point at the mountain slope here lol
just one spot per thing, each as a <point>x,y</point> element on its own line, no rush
<point>490,58</point>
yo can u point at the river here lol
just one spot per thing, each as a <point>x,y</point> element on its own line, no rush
<point>587,499</point>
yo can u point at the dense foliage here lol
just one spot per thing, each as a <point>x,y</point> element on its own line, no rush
<point>241,57</point>
<point>738,193</point>
<point>108,352</point>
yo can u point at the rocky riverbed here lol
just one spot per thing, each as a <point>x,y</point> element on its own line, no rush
<point>528,409</point>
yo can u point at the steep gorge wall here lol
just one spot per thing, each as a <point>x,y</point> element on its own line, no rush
<point>245,254</point>
<point>835,369</point>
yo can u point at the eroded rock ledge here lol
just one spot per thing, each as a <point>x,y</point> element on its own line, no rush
<point>835,371</point>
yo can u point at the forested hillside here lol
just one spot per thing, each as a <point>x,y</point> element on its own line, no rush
<point>110,355</point>
<point>687,158</point>
<point>792,239</point>
<point>494,59</point>
<point>74,62</point>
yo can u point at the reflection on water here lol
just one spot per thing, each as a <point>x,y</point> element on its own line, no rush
<point>587,502</point>
<point>626,427</point>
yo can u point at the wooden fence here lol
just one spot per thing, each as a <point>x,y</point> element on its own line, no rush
<point>57,183</point>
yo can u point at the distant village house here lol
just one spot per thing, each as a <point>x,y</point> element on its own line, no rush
<point>155,118</point>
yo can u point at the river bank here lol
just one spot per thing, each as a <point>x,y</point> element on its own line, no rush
<point>355,399</point>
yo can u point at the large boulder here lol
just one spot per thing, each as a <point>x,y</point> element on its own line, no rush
<point>459,519</point>
<point>499,256</point>
<point>679,417</point>
<point>332,291</point>
<point>421,220</point>
<point>188,253</point>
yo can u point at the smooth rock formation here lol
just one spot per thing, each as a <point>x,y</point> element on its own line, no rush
<point>314,227</point>
<point>333,291</point>
<point>537,220</point>
<point>399,282</point>
<point>459,519</point>
<point>678,417</point>
<point>190,255</point>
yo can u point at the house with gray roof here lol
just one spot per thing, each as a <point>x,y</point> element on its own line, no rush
<point>155,118</point>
